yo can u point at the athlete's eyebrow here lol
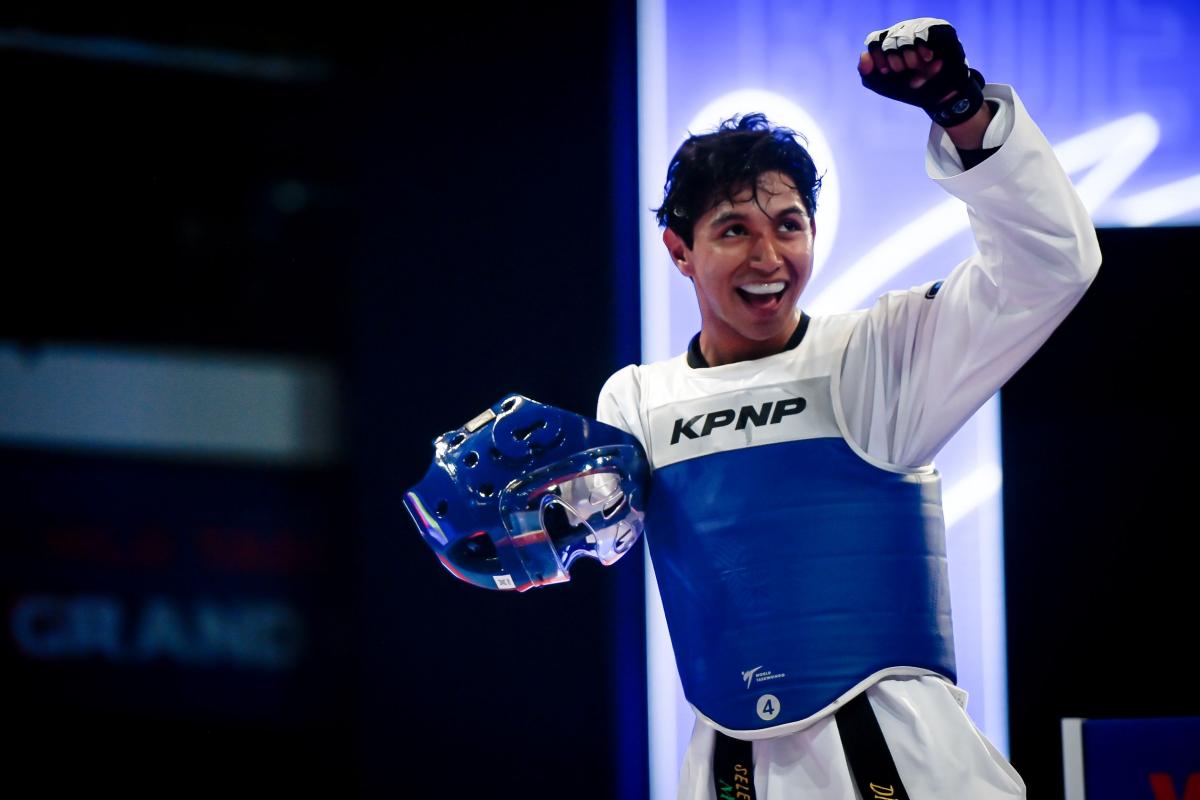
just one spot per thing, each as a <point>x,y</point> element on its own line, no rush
<point>731,215</point>
<point>725,216</point>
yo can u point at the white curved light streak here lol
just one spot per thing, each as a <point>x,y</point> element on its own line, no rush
<point>875,270</point>
<point>1159,204</point>
<point>969,493</point>
<point>1114,151</point>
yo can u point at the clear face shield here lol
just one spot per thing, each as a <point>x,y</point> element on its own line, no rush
<point>519,492</point>
<point>589,505</point>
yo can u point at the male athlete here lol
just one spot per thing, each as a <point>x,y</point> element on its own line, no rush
<point>794,517</point>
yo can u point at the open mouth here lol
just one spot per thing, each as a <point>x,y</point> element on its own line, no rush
<point>764,296</point>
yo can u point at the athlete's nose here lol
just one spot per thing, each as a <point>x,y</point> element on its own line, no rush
<point>765,256</point>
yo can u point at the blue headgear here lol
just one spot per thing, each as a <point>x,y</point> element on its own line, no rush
<point>514,496</point>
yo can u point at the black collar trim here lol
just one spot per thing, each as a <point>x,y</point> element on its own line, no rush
<point>695,359</point>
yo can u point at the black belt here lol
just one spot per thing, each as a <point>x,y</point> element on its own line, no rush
<point>871,766</point>
<point>733,768</point>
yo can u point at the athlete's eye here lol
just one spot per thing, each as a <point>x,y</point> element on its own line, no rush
<point>792,225</point>
<point>734,230</point>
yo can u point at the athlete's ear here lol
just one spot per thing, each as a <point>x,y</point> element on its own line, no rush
<point>680,253</point>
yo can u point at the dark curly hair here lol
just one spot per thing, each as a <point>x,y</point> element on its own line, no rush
<point>716,166</point>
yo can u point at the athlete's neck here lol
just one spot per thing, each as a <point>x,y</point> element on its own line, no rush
<point>731,350</point>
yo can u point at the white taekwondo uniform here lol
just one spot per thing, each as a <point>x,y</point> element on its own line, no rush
<point>779,480</point>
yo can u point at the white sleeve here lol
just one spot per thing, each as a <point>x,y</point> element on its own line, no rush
<point>917,367</point>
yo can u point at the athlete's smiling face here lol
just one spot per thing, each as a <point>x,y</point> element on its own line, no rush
<point>749,262</point>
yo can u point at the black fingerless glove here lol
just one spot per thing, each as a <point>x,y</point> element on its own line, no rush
<point>954,76</point>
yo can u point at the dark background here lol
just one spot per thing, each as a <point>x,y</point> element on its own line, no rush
<point>1100,545</point>
<point>442,213</point>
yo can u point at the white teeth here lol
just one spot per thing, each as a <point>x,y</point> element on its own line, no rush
<point>763,288</point>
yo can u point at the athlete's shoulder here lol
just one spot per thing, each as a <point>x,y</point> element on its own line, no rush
<point>828,333</point>
<point>634,376</point>
<point>619,400</point>
<point>622,383</point>
<point>825,325</point>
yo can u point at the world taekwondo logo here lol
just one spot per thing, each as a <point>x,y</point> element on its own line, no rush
<point>759,675</point>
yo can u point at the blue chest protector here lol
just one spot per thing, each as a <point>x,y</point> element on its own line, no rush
<point>793,572</point>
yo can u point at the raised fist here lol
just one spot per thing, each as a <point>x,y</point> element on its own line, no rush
<point>921,62</point>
